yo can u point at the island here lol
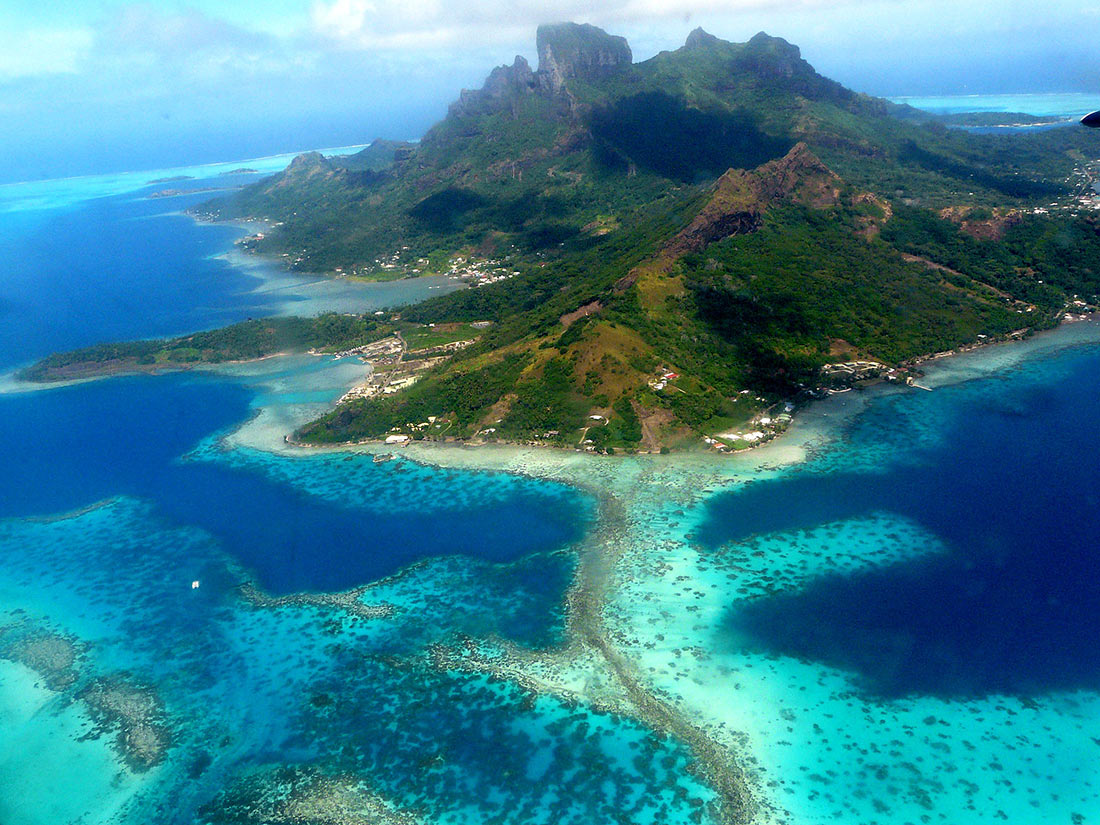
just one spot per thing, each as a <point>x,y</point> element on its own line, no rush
<point>666,255</point>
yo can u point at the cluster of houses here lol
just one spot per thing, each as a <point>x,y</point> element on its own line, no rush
<point>854,370</point>
<point>386,351</point>
<point>1084,181</point>
<point>479,272</point>
<point>762,428</point>
<point>396,437</point>
<point>393,263</point>
<point>659,383</point>
<point>443,349</point>
<point>396,368</point>
<point>1078,310</point>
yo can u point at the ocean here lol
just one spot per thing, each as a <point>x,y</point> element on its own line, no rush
<point>1068,105</point>
<point>1006,486</point>
<point>198,624</point>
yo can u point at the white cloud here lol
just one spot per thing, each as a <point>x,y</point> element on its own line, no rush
<point>29,53</point>
<point>141,52</point>
<point>470,23</point>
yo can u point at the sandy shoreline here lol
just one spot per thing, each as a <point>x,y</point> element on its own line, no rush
<point>817,423</point>
<point>311,293</point>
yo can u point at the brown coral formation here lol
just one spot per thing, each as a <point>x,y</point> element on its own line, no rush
<point>303,796</point>
<point>134,712</point>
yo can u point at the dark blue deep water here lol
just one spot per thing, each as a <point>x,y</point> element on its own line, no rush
<point>124,267</point>
<point>115,268</point>
<point>116,495</point>
<point>66,448</point>
<point>1012,488</point>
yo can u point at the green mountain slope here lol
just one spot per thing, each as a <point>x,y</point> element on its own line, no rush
<point>678,245</point>
<point>538,157</point>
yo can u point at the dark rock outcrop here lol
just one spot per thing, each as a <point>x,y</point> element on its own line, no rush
<point>739,197</point>
<point>779,65</point>
<point>799,176</point>
<point>584,52</point>
<point>504,86</point>
<point>567,51</point>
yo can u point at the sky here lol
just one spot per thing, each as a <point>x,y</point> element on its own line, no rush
<point>92,86</point>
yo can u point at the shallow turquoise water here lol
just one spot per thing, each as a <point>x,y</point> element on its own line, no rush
<point>118,495</point>
<point>252,687</point>
<point>1067,104</point>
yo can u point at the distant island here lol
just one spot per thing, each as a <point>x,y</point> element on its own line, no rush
<point>995,120</point>
<point>172,179</point>
<point>663,255</point>
<point>175,193</point>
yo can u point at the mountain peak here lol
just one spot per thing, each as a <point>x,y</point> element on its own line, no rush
<point>700,39</point>
<point>763,43</point>
<point>572,50</point>
<point>739,198</point>
<point>800,176</point>
<point>566,51</point>
<point>307,160</point>
<point>308,165</point>
<point>504,85</point>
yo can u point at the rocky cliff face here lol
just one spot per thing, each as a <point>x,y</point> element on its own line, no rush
<point>700,39</point>
<point>504,86</point>
<point>569,50</point>
<point>775,56</point>
<point>799,176</point>
<point>740,197</point>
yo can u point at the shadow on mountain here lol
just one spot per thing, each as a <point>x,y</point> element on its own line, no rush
<point>660,133</point>
<point>533,220</point>
<point>1015,187</point>
<point>444,211</point>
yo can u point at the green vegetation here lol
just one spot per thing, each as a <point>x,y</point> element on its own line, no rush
<point>1039,259</point>
<point>688,241</point>
<point>378,157</point>
<point>463,396</point>
<point>245,341</point>
<point>546,404</point>
<point>419,336</point>
<point>782,295</point>
<point>521,168</point>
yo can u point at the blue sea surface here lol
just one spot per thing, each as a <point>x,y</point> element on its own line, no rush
<point>114,268</point>
<point>1069,105</point>
<point>71,447</point>
<point>125,266</point>
<point>1002,472</point>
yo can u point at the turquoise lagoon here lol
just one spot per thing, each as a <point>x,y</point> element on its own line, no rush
<point>139,682</point>
<point>884,617</point>
<point>898,628</point>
